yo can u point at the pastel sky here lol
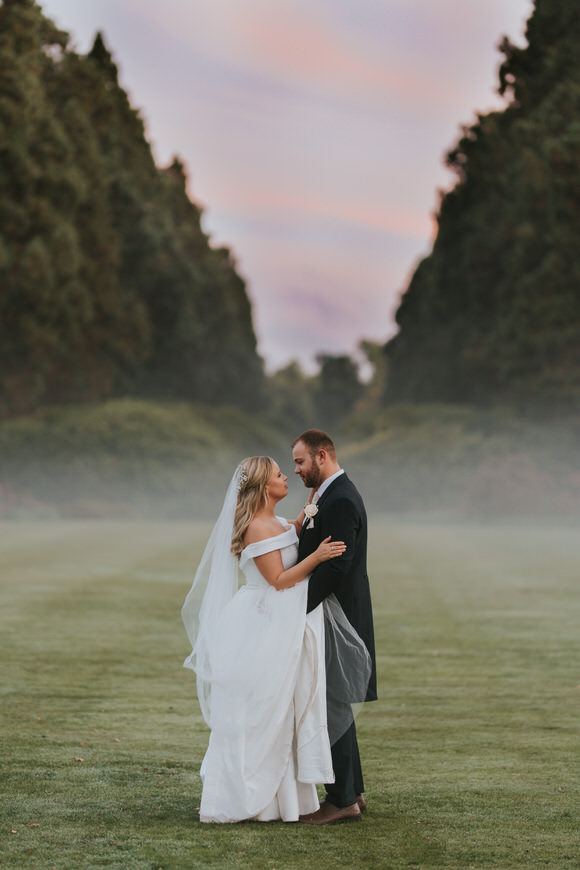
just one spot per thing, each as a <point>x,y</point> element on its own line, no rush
<point>314,133</point>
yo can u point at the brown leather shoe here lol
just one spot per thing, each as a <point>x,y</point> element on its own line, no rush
<point>328,814</point>
<point>362,805</point>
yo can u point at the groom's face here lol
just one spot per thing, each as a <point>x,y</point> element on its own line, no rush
<point>306,466</point>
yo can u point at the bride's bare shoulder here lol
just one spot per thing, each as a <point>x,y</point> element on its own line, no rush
<point>261,528</point>
<point>256,531</point>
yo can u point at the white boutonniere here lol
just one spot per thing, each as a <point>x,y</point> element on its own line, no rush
<point>310,510</point>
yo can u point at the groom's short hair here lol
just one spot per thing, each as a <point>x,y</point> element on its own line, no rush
<point>315,440</point>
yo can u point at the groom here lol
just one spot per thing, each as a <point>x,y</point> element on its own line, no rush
<point>340,513</point>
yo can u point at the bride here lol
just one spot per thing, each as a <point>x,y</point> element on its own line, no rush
<point>260,658</point>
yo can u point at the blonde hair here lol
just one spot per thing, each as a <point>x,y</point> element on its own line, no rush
<point>252,496</point>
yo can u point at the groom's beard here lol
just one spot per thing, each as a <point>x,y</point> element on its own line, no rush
<point>313,478</point>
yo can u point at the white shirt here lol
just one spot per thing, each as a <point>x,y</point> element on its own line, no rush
<point>324,486</point>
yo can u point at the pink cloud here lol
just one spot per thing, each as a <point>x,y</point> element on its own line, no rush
<point>243,199</point>
<point>297,44</point>
<point>314,131</point>
<point>304,48</point>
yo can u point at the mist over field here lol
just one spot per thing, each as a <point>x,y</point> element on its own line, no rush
<point>137,459</point>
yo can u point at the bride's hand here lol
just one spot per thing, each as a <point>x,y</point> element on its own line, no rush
<point>330,549</point>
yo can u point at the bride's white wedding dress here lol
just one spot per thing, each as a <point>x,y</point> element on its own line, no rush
<point>269,742</point>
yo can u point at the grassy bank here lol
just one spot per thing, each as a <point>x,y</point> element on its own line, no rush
<point>470,754</point>
<point>129,458</point>
<point>125,458</point>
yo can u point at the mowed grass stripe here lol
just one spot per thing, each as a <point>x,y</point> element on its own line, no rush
<point>470,756</point>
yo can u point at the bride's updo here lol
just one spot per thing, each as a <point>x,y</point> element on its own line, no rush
<point>256,473</point>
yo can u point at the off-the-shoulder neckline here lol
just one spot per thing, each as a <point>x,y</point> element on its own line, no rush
<point>289,527</point>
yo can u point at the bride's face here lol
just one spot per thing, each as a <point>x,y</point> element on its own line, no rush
<point>277,486</point>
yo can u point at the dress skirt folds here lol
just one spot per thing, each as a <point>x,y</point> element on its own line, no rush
<point>269,743</point>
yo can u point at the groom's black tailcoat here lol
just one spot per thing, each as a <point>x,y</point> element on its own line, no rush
<point>342,514</point>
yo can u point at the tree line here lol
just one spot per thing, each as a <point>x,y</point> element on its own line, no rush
<point>493,313</point>
<point>110,287</point>
<point>108,284</point>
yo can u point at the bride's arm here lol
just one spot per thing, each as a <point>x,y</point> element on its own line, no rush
<point>271,567</point>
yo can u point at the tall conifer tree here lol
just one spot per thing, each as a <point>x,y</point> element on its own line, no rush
<point>108,284</point>
<point>493,314</point>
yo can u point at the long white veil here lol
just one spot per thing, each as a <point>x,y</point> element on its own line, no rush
<point>214,584</point>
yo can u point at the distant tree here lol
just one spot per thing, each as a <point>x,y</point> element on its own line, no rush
<point>291,404</point>
<point>338,388</point>
<point>493,314</point>
<point>374,388</point>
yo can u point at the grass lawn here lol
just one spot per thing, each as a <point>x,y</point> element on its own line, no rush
<point>471,756</point>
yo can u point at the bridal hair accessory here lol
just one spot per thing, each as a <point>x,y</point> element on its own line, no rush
<point>310,510</point>
<point>243,479</point>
